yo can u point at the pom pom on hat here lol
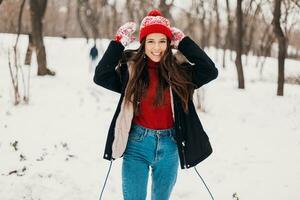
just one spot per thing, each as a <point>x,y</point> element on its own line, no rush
<point>154,13</point>
<point>154,22</point>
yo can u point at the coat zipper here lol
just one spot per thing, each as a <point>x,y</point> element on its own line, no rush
<point>183,154</point>
<point>183,142</point>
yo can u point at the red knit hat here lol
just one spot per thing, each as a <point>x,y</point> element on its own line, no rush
<point>154,22</point>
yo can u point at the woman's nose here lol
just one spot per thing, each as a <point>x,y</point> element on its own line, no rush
<point>157,46</point>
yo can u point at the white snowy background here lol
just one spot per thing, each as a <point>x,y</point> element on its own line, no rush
<point>61,132</point>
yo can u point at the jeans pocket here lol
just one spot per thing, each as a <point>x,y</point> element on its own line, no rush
<point>173,138</point>
<point>136,136</point>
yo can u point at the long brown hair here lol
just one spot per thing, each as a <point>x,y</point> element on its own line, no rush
<point>170,73</point>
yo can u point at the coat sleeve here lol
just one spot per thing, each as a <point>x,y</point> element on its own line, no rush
<point>203,68</point>
<point>105,73</point>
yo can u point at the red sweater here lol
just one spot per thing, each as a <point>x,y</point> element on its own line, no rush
<point>154,117</point>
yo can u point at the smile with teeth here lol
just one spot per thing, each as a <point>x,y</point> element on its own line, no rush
<point>155,54</point>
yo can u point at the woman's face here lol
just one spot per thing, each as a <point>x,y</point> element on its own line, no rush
<point>155,46</point>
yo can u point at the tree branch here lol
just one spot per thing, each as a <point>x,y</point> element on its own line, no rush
<point>19,21</point>
<point>296,2</point>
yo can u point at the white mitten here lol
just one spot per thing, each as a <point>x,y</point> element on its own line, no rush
<point>124,33</point>
<point>177,36</point>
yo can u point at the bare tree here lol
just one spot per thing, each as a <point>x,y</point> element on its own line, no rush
<point>19,23</point>
<point>114,15</point>
<point>130,9</point>
<point>264,48</point>
<point>203,17</point>
<point>138,9</point>
<point>217,27</point>
<point>239,45</point>
<point>296,2</point>
<point>190,23</point>
<point>251,25</point>
<point>29,50</point>
<point>37,12</point>
<point>17,58</point>
<point>67,18</point>
<point>209,30</point>
<point>202,12</point>
<point>228,38</point>
<point>263,39</point>
<point>14,74</point>
<point>290,9</point>
<point>92,15</point>
<point>165,9</point>
<point>14,79</point>
<point>80,21</point>
<point>282,46</point>
<point>89,15</point>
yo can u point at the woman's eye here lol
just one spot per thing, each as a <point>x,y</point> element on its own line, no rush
<point>163,41</point>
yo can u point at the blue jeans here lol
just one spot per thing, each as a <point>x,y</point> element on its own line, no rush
<point>148,148</point>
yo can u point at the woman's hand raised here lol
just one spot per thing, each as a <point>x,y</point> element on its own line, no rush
<point>124,33</point>
<point>177,36</point>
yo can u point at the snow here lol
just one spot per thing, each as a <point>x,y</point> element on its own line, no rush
<point>62,131</point>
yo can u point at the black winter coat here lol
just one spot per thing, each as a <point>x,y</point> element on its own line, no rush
<point>192,141</point>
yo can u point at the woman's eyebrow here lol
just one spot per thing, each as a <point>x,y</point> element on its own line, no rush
<point>158,39</point>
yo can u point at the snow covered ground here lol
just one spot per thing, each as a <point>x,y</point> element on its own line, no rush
<point>61,133</point>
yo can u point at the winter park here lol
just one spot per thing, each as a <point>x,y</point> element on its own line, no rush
<point>66,73</point>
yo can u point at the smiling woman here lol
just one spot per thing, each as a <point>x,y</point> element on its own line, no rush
<point>155,46</point>
<point>155,125</point>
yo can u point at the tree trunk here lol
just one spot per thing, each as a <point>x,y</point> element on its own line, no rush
<point>208,35</point>
<point>239,46</point>
<point>200,9</point>
<point>29,50</point>
<point>228,38</point>
<point>115,17</point>
<point>252,22</point>
<point>92,18</point>
<point>37,11</point>
<point>80,21</point>
<point>67,19</point>
<point>130,10</point>
<point>19,22</point>
<point>217,30</point>
<point>282,46</point>
<point>165,10</point>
